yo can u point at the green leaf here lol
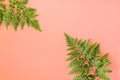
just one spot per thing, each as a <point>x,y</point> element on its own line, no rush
<point>15,26</point>
<point>107,70</point>
<point>82,47</point>
<point>22,23</point>
<point>72,53</point>
<point>74,63</point>
<point>105,56</point>
<point>79,43</point>
<point>69,40</point>
<point>71,58</point>
<point>98,63</point>
<point>31,11</point>
<point>33,16</point>
<point>107,78</point>
<point>97,49</point>
<point>92,52</point>
<point>15,21</point>
<point>7,23</point>
<point>86,46</point>
<point>25,1</point>
<point>74,71</point>
<point>1,17</point>
<point>107,63</point>
<point>35,24</point>
<point>71,48</point>
<point>28,22</point>
<point>77,78</point>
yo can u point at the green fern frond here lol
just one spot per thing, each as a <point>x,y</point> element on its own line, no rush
<point>85,59</point>
<point>16,13</point>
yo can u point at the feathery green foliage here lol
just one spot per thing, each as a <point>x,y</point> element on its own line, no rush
<point>17,13</point>
<point>85,60</point>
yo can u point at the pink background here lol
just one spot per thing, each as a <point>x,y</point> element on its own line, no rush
<point>32,55</point>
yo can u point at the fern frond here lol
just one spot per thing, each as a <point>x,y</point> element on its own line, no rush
<point>85,60</point>
<point>18,14</point>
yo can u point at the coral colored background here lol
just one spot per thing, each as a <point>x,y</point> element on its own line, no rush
<point>32,55</point>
